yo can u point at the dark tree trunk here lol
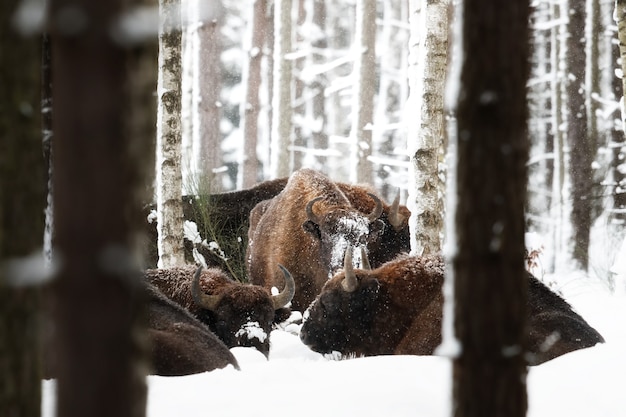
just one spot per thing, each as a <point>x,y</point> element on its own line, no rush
<point>99,181</point>
<point>490,281</point>
<point>22,199</point>
<point>581,150</point>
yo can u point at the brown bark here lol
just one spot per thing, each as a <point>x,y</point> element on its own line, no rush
<point>581,151</point>
<point>22,199</point>
<point>490,283</point>
<point>97,183</point>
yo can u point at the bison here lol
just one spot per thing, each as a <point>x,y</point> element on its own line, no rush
<point>179,343</point>
<point>239,314</point>
<point>397,309</point>
<point>307,228</point>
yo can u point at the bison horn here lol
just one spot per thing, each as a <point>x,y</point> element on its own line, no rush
<point>365,262</point>
<point>349,282</point>
<point>284,297</point>
<point>202,299</point>
<point>378,210</point>
<point>395,219</point>
<point>309,210</point>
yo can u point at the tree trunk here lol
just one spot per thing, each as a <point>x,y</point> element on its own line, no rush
<point>429,58</point>
<point>251,107</point>
<point>581,152</point>
<point>169,137</point>
<point>22,200</point>
<point>319,135</point>
<point>490,281</point>
<point>363,89</point>
<point>208,80</point>
<point>280,156</point>
<point>99,185</point>
<point>618,143</point>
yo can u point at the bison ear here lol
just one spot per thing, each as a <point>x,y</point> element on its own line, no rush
<point>312,228</point>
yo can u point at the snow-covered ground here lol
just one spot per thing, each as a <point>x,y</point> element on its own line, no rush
<point>297,381</point>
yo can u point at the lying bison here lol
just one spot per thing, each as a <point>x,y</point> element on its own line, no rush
<point>239,314</point>
<point>397,309</point>
<point>179,343</point>
<point>308,226</point>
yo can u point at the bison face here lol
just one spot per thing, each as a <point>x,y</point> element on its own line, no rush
<point>243,317</point>
<point>341,228</point>
<point>340,320</point>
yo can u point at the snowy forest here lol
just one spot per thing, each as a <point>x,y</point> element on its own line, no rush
<point>130,132</point>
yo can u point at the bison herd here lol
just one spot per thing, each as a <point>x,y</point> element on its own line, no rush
<point>338,254</point>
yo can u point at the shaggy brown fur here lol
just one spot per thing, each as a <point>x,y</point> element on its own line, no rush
<point>239,305</point>
<point>282,233</point>
<point>179,343</point>
<point>397,309</point>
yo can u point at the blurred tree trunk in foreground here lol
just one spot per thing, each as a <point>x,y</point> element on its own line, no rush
<point>489,373</point>
<point>99,186</point>
<point>22,200</point>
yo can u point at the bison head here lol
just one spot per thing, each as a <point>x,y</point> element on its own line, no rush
<point>339,320</point>
<point>243,315</point>
<point>340,228</point>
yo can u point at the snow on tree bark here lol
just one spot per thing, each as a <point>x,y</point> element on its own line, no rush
<point>618,139</point>
<point>281,97</point>
<point>363,89</point>
<point>490,285</point>
<point>428,58</point>
<point>169,136</point>
<point>581,151</point>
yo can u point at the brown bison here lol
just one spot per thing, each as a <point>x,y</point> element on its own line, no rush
<point>307,228</point>
<point>179,343</point>
<point>239,314</point>
<point>397,309</point>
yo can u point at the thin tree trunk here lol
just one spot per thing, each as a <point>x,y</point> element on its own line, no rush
<point>207,92</point>
<point>22,199</point>
<point>429,24</point>
<point>98,196</point>
<point>363,90</point>
<point>169,137</point>
<point>581,152</point>
<point>251,107</point>
<point>490,286</point>
<point>280,156</point>
<point>618,144</point>
<point>319,135</point>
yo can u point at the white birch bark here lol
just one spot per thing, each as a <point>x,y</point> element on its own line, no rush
<point>281,96</point>
<point>168,166</point>
<point>428,47</point>
<point>620,19</point>
<point>363,89</point>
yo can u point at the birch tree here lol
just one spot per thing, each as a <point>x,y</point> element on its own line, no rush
<point>169,136</point>
<point>490,282</point>
<point>428,46</point>
<point>22,199</point>
<point>618,140</point>
<point>99,192</point>
<point>363,89</point>
<point>280,153</point>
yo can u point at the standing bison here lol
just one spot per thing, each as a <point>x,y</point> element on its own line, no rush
<point>397,309</point>
<point>239,314</point>
<point>307,228</point>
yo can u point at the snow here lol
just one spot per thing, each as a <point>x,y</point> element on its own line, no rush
<point>296,380</point>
